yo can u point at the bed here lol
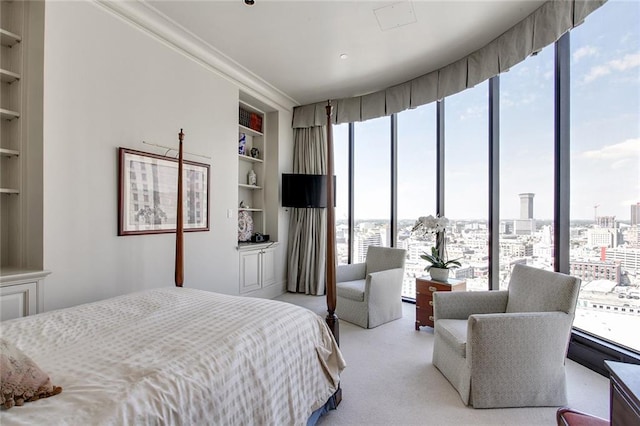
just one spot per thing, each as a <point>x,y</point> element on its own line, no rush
<point>178,356</point>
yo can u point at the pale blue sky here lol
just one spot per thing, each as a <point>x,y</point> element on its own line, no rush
<point>605,135</point>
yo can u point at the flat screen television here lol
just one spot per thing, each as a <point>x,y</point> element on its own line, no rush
<point>305,191</point>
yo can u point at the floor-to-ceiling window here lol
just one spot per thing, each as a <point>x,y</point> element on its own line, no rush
<point>604,184</point>
<point>466,184</point>
<point>416,189</point>
<point>341,171</point>
<point>371,186</point>
<point>526,164</point>
<point>605,172</point>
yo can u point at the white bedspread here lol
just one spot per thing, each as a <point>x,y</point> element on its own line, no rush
<point>178,356</point>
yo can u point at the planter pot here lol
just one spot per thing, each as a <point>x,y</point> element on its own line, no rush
<point>439,274</point>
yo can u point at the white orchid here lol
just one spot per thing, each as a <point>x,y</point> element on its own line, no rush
<point>430,224</point>
<point>426,225</point>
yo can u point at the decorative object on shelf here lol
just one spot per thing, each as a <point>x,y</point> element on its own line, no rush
<point>147,193</point>
<point>243,205</point>
<point>252,179</point>
<point>438,265</point>
<point>255,152</point>
<point>244,117</point>
<point>242,144</point>
<point>245,226</point>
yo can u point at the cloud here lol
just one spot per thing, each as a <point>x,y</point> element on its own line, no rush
<point>617,152</point>
<point>629,61</point>
<point>584,52</point>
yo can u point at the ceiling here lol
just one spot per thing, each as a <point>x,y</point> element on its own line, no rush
<point>295,46</point>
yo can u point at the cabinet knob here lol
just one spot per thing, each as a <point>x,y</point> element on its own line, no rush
<point>431,288</point>
<point>430,317</point>
<point>430,302</point>
<point>417,307</point>
<point>417,292</point>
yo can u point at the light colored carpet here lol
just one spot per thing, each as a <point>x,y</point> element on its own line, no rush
<point>389,380</point>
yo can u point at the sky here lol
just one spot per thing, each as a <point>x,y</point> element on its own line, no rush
<point>605,136</point>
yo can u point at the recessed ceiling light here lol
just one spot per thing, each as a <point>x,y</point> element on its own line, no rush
<point>344,56</point>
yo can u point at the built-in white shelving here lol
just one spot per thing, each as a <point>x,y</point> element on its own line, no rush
<point>7,114</point>
<point>9,39</point>
<point>7,76</point>
<point>21,144</point>
<point>249,159</point>
<point>9,152</point>
<point>244,185</point>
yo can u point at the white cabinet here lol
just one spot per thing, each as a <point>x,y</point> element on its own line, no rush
<point>257,268</point>
<point>21,294</point>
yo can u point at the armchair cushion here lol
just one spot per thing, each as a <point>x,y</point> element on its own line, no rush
<point>454,332</point>
<point>350,272</point>
<point>383,258</point>
<point>353,290</point>
<point>461,304</point>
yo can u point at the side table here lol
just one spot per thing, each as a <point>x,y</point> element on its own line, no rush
<point>425,286</point>
<point>624,393</point>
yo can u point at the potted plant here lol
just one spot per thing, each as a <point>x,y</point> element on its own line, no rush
<point>438,268</point>
<point>438,265</point>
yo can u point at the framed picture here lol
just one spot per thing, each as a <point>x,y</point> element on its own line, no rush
<point>147,194</point>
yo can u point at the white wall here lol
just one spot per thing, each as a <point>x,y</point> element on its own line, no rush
<point>109,84</point>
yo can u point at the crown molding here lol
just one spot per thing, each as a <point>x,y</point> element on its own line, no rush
<point>145,17</point>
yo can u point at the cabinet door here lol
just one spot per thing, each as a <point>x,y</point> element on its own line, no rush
<point>18,301</point>
<point>268,267</point>
<point>249,271</point>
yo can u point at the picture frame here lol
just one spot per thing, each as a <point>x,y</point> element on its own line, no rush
<point>147,193</point>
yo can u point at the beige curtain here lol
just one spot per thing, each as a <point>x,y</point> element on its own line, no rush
<point>308,227</point>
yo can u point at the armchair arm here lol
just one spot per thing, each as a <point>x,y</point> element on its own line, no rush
<point>383,286</point>
<point>350,272</point>
<point>461,304</point>
<point>523,351</point>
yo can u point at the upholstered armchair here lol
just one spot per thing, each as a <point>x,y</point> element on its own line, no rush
<point>370,294</point>
<point>507,348</point>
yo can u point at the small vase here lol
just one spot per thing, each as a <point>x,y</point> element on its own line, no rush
<point>252,178</point>
<point>439,274</point>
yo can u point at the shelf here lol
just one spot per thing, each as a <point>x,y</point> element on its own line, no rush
<point>249,131</point>
<point>8,39</point>
<point>9,152</point>
<point>9,77</point>
<point>6,114</point>
<point>244,185</point>
<point>249,210</point>
<point>9,191</point>
<point>250,159</point>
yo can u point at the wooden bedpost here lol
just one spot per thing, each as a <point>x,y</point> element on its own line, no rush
<point>332,318</point>
<point>179,277</point>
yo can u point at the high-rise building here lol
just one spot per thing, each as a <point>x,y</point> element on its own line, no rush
<point>526,225</point>
<point>606,221</point>
<point>526,205</point>
<point>635,214</point>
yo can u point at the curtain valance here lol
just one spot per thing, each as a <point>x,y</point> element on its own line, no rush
<point>541,28</point>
